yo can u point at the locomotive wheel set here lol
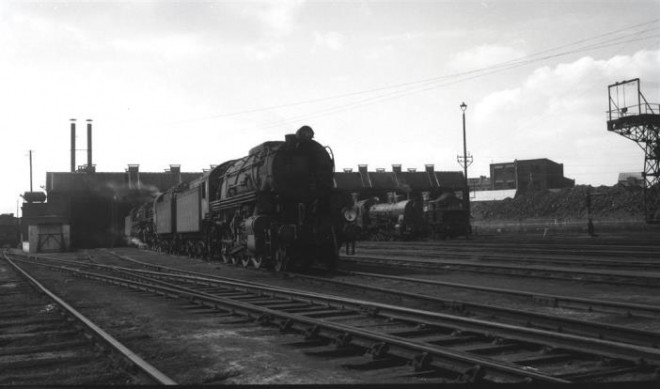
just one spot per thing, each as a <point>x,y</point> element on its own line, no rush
<point>277,206</point>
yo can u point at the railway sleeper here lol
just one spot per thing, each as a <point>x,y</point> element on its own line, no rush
<point>389,363</point>
<point>592,376</point>
<point>50,347</point>
<point>330,352</point>
<point>44,360</point>
<point>28,320</point>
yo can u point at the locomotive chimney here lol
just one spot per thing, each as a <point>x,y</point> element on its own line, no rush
<point>73,145</point>
<point>396,168</point>
<point>90,168</point>
<point>133,176</point>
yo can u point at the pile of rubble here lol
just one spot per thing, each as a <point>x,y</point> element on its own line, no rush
<point>615,202</point>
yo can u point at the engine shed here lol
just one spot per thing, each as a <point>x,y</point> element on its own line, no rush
<point>381,184</point>
<point>94,204</point>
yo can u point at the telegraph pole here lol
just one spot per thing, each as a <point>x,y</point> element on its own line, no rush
<point>30,170</point>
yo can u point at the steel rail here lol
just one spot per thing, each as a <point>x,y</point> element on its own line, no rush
<point>97,332</point>
<point>591,305</point>
<point>609,349</point>
<point>530,319</point>
<point>648,280</point>
<point>561,340</point>
<point>519,316</point>
<point>573,260</point>
<point>558,340</point>
<point>603,249</point>
<point>516,257</point>
<point>628,309</point>
<point>396,345</point>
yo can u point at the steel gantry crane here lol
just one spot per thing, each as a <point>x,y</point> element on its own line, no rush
<point>631,116</point>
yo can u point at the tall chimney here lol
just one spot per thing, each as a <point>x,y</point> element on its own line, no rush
<point>89,145</point>
<point>176,172</point>
<point>73,145</point>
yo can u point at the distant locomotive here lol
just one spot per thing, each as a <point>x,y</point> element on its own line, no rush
<point>390,220</point>
<point>275,206</point>
<point>406,219</point>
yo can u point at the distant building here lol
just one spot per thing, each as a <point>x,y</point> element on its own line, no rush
<point>479,184</point>
<point>529,175</point>
<point>631,179</point>
<point>94,204</point>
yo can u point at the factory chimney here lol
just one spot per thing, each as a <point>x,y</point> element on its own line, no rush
<point>90,167</point>
<point>73,145</point>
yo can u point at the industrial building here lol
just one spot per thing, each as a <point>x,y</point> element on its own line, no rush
<point>85,208</point>
<point>529,175</point>
<point>380,182</point>
<point>94,204</point>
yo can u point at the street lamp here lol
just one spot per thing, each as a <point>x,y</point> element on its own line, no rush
<point>465,161</point>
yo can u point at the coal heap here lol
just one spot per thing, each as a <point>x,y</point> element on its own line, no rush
<point>615,202</point>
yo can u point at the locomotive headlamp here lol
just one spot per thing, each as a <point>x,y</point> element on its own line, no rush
<point>350,214</point>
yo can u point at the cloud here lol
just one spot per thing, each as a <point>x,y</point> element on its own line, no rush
<point>483,56</point>
<point>277,16</point>
<point>170,47</point>
<point>277,20</point>
<point>332,40</point>
<point>560,109</point>
<point>264,50</point>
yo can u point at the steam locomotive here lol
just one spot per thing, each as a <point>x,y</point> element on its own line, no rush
<point>276,206</point>
<point>413,218</point>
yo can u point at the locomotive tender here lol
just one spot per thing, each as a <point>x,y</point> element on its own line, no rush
<point>277,205</point>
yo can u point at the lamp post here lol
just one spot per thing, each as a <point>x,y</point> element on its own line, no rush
<point>465,161</point>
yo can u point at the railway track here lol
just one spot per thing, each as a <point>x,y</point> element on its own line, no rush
<point>411,261</point>
<point>444,346</point>
<point>45,340</point>
<point>487,255</point>
<point>616,258</point>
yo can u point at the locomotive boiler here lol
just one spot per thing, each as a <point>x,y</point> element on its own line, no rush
<point>277,205</point>
<point>390,220</point>
<point>413,218</point>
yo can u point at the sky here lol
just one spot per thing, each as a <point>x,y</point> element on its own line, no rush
<point>197,83</point>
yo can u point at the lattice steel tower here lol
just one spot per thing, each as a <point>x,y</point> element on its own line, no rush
<point>631,116</point>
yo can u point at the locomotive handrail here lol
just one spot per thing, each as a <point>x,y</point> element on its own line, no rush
<point>233,201</point>
<point>332,156</point>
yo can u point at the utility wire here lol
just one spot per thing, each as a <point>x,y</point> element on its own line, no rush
<point>488,70</point>
<point>369,97</point>
<point>434,85</point>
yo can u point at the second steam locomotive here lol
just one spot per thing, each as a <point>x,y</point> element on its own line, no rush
<point>277,205</point>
